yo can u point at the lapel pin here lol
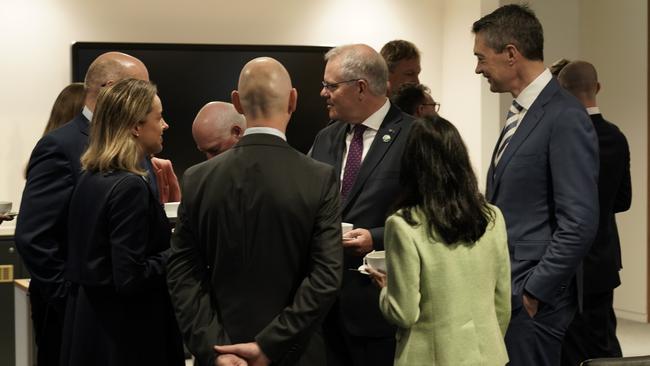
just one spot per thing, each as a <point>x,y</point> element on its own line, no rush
<point>386,138</point>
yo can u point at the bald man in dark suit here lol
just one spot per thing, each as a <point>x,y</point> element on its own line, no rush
<point>41,231</point>
<point>592,333</point>
<point>256,257</point>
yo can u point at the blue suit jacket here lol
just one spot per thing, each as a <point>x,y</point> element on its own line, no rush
<point>367,206</point>
<point>546,186</point>
<point>41,230</point>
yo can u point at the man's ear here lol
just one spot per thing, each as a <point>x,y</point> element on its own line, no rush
<point>293,100</point>
<point>236,131</point>
<point>236,102</point>
<point>363,86</point>
<point>512,53</point>
<point>597,87</point>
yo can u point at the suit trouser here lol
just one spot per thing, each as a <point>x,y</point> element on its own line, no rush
<point>345,349</point>
<point>47,318</point>
<point>592,333</point>
<point>538,340</point>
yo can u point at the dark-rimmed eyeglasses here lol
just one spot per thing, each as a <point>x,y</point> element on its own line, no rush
<point>333,86</point>
<point>436,106</point>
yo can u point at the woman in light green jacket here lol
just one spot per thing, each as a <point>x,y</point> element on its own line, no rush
<point>447,286</point>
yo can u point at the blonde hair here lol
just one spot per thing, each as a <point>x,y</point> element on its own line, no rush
<point>120,107</point>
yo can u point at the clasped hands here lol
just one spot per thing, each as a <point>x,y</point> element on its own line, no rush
<point>241,354</point>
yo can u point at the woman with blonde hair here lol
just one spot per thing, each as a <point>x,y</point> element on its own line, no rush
<point>447,286</point>
<point>119,311</point>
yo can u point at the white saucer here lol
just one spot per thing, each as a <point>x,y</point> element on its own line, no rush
<point>362,270</point>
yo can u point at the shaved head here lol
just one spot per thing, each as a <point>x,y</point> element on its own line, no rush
<point>108,68</point>
<point>264,89</point>
<point>217,127</point>
<point>580,79</point>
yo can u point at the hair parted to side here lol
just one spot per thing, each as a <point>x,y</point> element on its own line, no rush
<point>120,107</point>
<point>409,96</point>
<point>437,177</point>
<point>395,51</point>
<point>516,25</point>
<point>356,64</point>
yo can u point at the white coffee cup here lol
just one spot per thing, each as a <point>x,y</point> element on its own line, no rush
<point>5,207</point>
<point>171,209</point>
<point>376,260</point>
<point>345,227</point>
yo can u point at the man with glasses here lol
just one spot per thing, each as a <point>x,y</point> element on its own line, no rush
<point>364,143</point>
<point>217,127</point>
<point>416,100</point>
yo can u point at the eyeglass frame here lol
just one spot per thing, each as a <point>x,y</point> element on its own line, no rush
<point>436,105</point>
<point>333,86</point>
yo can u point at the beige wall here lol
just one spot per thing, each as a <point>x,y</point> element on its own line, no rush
<point>614,36</point>
<point>35,64</point>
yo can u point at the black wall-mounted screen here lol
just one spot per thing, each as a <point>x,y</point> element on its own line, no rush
<point>189,76</point>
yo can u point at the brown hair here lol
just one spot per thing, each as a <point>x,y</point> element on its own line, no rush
<point>67,105</point>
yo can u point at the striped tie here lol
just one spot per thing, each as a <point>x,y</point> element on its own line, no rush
<point>512,119</point>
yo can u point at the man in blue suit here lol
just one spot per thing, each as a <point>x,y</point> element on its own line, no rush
<point>41,231</point>
<point>543,177</point>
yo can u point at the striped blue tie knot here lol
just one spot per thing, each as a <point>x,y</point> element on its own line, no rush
<point>512,120</point>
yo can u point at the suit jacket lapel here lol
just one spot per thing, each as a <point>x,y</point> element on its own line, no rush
<point>338,146</point>
<point>82,123</point>
<point>527,125</point>
<point>380,145</point>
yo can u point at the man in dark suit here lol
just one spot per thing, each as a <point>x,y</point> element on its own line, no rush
<point>41,231</point>
<point>256,256</point>
<point>592,333</point>
<point>543,177</point>
<point>364,143</point>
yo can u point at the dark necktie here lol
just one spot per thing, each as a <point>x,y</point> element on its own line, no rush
<point>353,161</point>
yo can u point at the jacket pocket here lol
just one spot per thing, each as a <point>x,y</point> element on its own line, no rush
<point>530,249</point>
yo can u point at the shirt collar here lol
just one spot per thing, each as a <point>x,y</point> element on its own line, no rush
<point>266,130</point>
<point>87,113</point>
<point>593,110</point>
<point>374,121</point>
<point>532,91</point>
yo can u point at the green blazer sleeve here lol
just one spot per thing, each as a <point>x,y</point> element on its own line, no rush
<point>401,304</point>
<point>502,292</point>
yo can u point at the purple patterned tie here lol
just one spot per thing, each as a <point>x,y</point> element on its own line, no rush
<point>353,162</point>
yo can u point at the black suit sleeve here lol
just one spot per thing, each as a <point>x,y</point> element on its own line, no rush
<point>40,230</point>
<point>189,286</point>
<point>289,330</point>
<point>624,192</point>
<point>128,215</point>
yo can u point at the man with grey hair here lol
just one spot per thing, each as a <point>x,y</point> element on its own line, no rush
<point>217,127</point>
<point>364,143</point>
<point>52,173</point>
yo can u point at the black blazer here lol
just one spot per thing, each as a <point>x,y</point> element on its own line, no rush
<point>41,229</point>
<point>602,263</point>
<point>256,254</point>
<point>119,311</point>
<point>367,206</point>
<point>546,185</point>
